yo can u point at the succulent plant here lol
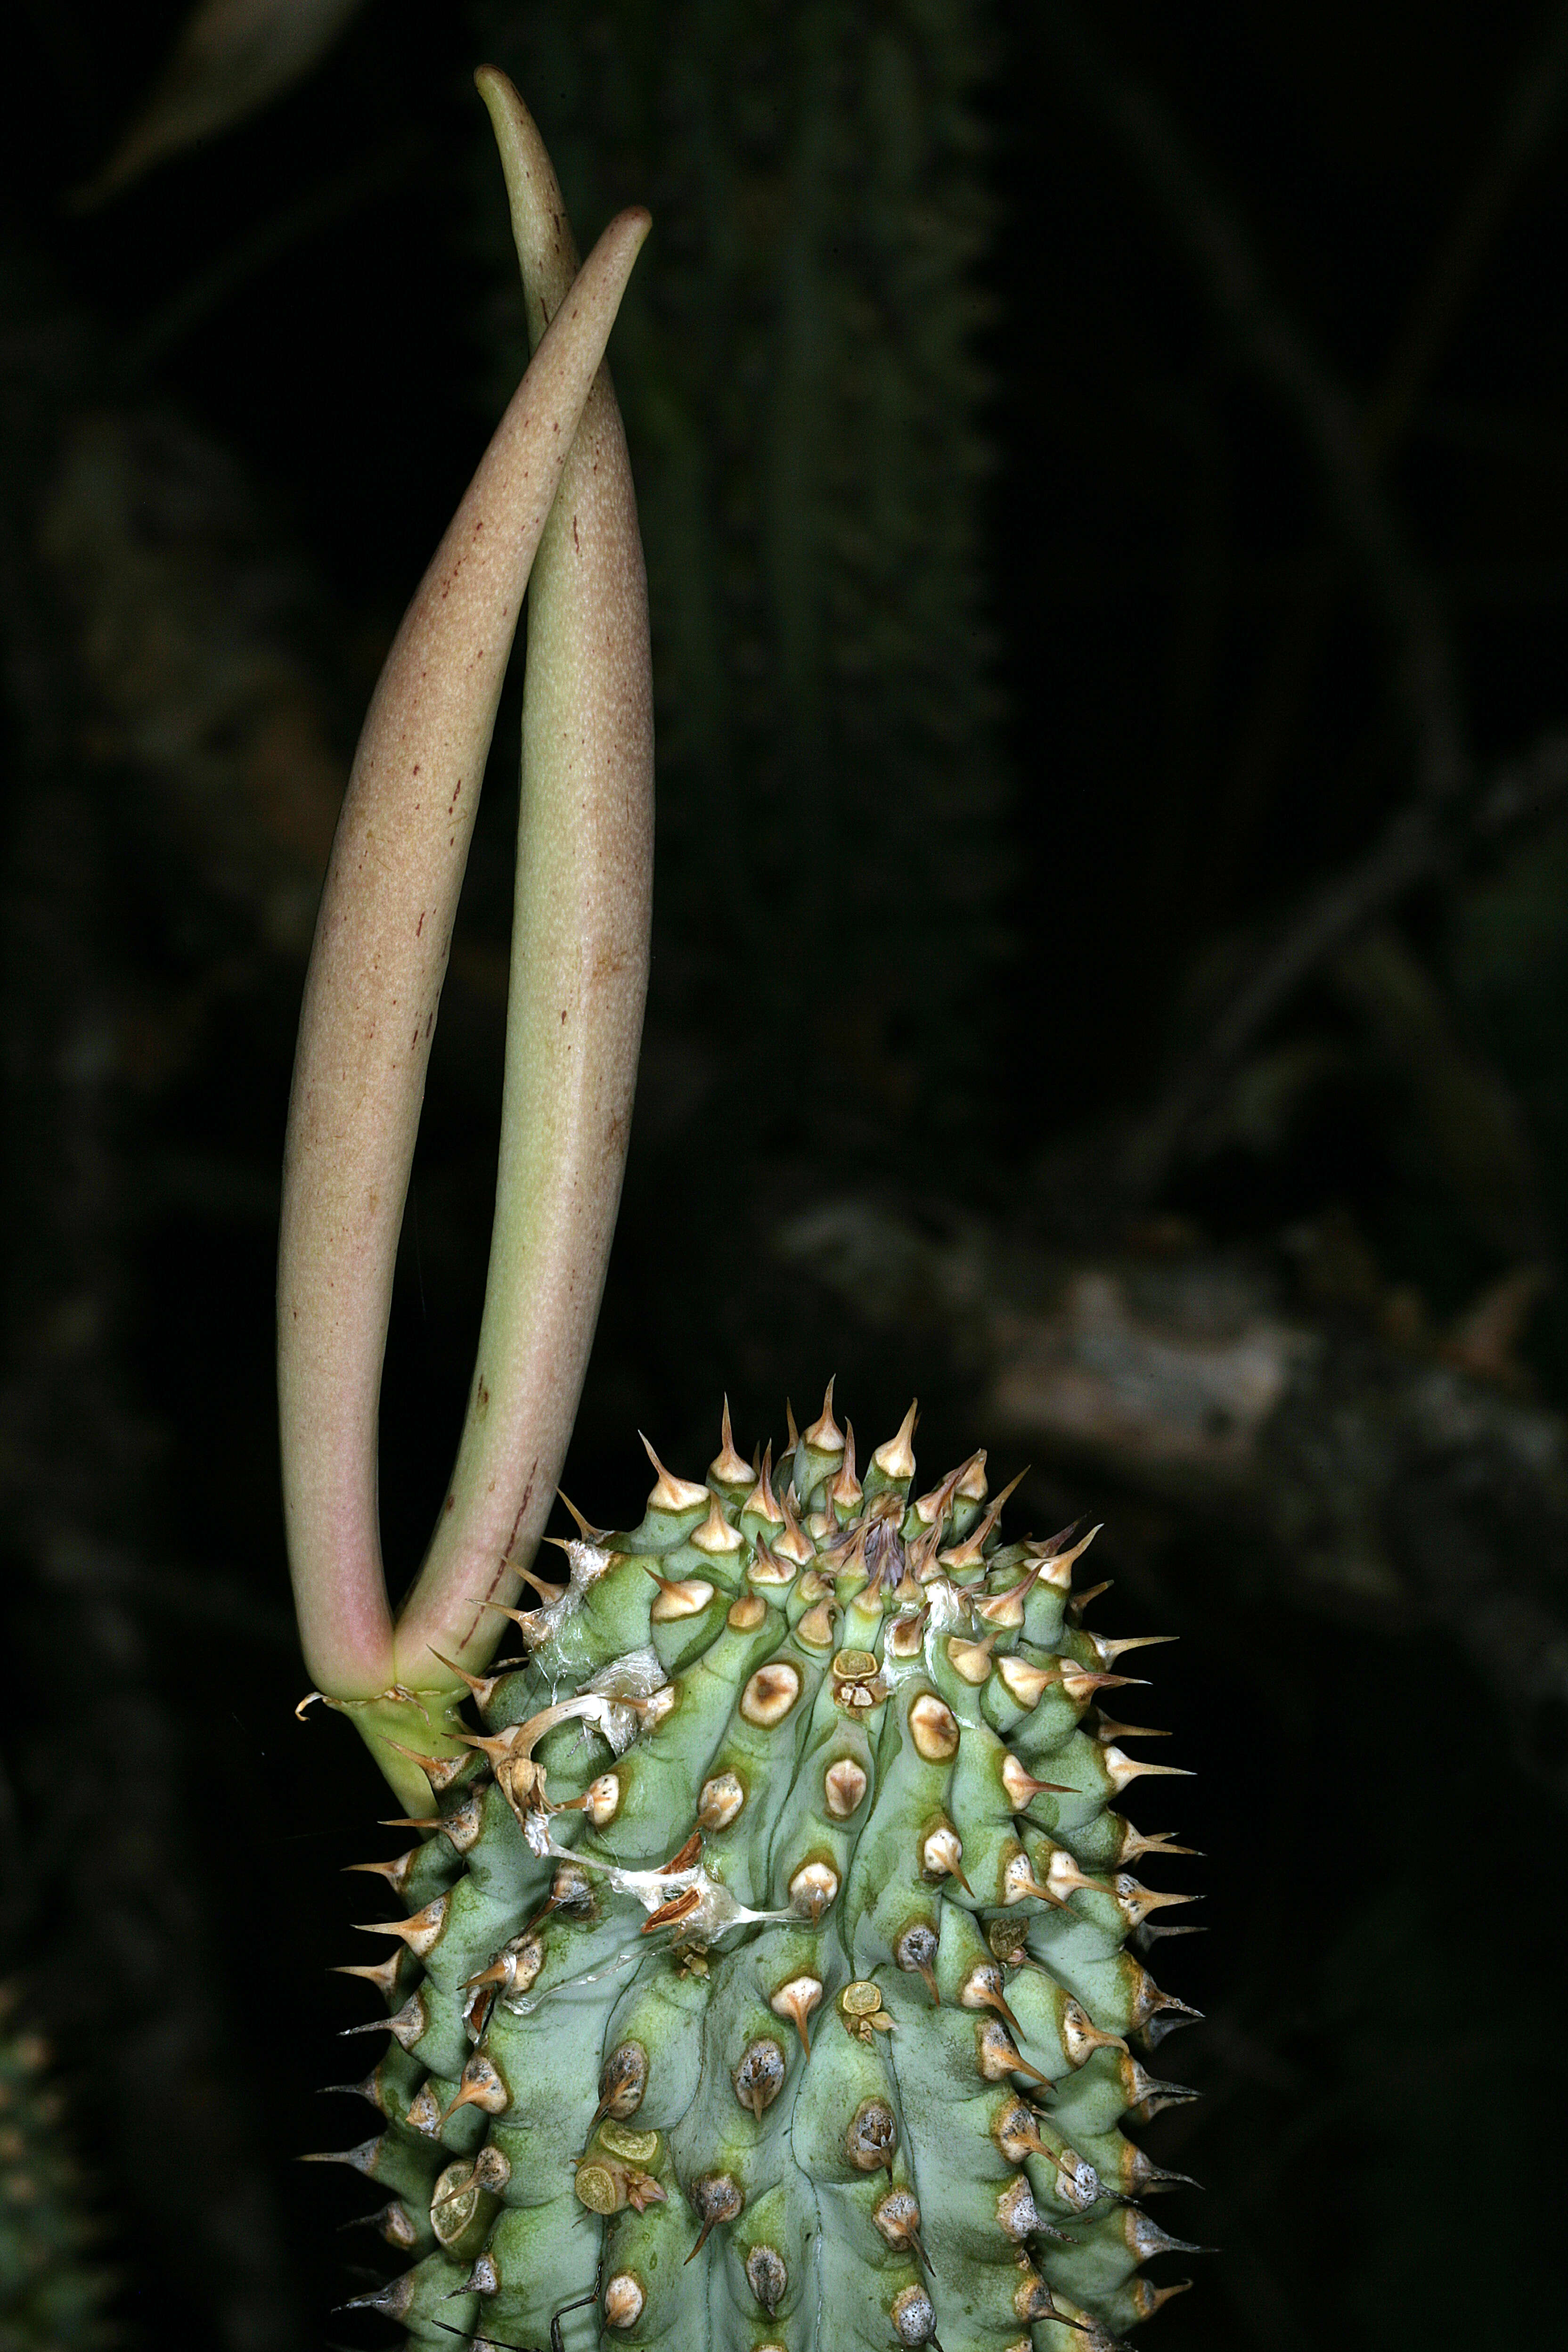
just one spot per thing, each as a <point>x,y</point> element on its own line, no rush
<point>776,1917</point>
<point>762,1980</point>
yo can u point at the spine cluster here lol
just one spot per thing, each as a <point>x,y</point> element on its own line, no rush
<point>766,1981</point>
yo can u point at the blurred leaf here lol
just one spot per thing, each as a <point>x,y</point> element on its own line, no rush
<point>234,57</point>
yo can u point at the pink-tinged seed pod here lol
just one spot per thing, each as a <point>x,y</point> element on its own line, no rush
<point>719,1801</point>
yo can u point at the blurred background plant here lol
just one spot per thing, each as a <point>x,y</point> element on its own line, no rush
<point>1106,494</point>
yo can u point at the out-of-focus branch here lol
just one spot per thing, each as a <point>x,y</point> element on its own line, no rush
<point>1524,120</point>
<point>1282,354</point>
<point>1417,844</point>
<point>232,58</point>
<point>1380,1477</point>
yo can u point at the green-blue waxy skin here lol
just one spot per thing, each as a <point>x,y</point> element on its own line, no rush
<point>766,2001</point>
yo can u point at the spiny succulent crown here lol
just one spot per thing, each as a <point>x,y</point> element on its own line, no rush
<point>774,1929</point>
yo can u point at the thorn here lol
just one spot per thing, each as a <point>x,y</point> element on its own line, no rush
<point>1148,2177</point>
<point>1169,2016</point>
<point>550,1593</point>
<point>468,2094</point>
<point>400,1822</point>
<point>590,1535</point>
<point>895,1458</point>
<point>761,1502</point>
<point>439,1771</point>
<point>932,1509</point>
<point>418,1931</point>
<point>792,1433</point>
<point>1150,2094</point>
<point>728,1468</point>
<point>1141,1900</point>
<point>687,1598</point>
<point>1052,1547</point>
<point>360,2157</point>
<point>797,2001</point>
<point>1018,1885</point>
<point>972,1660</point>
<point>825,1436</point>
<point>971,1552</point>
<point>1081,1683</point>
<point>1021,1787</point>
<point>1109,1651</point>
<point>395,1872</point>
<point>670,1493</point>
<point>972,1477</point>
<point>1122,1768</point>
<point>983,1989</point>
<point>701,2241</point>
<point>1147,1936</point>
<point>383,1976</point>
<point>1007,1608</point>
<point>767,1567</point>
<point>390,2301</point>
<point>1056,1564</point>
<point>1136,1842</point>
<point>1081,1601</point>
<point>528,1622</point>
<point>481,1687</point>
<point>846,1492</point>
<point>1107,1728</point>
<point>793,1544</point>
<point>716,1534</point>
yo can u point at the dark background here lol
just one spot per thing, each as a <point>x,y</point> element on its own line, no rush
<point>1105,491</point>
